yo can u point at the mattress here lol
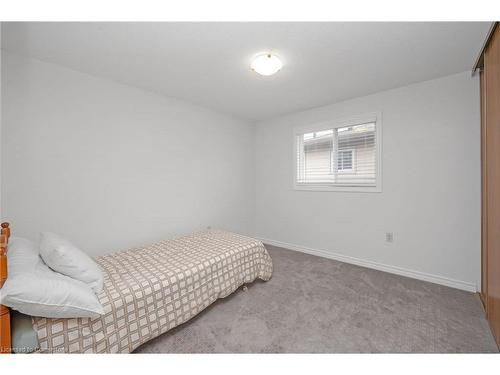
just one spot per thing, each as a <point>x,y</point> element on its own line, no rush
<point>152,289</point>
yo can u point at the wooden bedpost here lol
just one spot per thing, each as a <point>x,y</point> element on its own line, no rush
<point>5,339</point>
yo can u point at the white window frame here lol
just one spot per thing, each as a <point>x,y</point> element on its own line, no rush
<point>334,124</point>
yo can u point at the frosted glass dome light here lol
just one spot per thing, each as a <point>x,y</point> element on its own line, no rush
<point>266,64</point>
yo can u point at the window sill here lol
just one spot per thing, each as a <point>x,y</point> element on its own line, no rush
<point>326,187</point>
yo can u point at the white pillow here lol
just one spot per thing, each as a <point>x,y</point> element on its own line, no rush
<point>34,289</point>
<point>64,257</point>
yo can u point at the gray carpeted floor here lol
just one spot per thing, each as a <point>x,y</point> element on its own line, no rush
<point>318,305</point>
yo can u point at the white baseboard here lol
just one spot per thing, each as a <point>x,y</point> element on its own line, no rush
<point>458,284</point>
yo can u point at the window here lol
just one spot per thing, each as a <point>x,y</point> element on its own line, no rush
<point>344,160</point>
<point>339,155</point>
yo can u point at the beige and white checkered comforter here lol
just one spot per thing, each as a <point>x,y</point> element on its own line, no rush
<point>150,290</point>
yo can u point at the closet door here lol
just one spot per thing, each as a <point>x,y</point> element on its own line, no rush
<point>492,155</point>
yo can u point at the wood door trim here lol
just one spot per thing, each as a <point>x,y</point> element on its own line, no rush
<point>484,196</point>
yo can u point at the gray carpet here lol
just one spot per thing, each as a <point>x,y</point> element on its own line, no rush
<point>318,305</point>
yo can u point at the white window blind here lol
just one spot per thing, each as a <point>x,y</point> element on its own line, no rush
<point>340,156</point>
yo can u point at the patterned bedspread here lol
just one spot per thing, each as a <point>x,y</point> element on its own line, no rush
<point>150,290</point>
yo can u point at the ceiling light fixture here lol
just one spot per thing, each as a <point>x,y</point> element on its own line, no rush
<point>266,64</point>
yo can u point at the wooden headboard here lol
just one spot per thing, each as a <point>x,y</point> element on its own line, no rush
<point>5,340</point>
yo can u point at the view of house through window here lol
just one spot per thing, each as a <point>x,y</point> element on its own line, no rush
<point>344,156</point>
<point>344,160</point>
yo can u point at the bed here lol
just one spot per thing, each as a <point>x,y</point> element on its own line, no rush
<point>152,289</point>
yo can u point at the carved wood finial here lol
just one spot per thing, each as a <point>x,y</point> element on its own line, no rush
<point>5,230</point>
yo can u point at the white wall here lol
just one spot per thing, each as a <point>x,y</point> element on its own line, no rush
<point>111,166</point>
<point>431,185</point>
<point>0,119</point>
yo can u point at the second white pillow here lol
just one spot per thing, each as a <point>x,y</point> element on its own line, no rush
<point>64,257</point>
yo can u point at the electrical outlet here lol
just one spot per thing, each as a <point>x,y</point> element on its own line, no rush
<point>389,237</point>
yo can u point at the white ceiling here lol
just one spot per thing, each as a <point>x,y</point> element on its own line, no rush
<point>208,63</point>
